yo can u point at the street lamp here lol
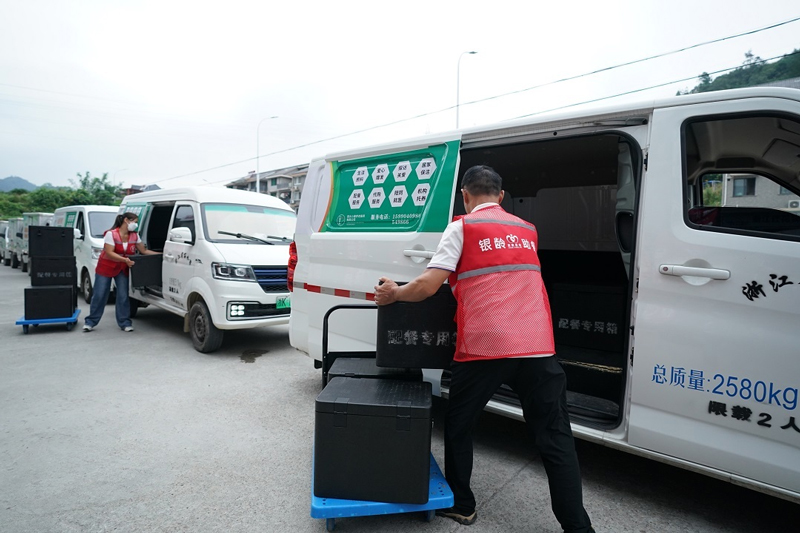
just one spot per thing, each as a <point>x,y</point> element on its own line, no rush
<point>458,81</point>
<point>258,152</point>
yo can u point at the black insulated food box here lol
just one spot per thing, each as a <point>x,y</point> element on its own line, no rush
<point>589,316</point>
<point>418,334</point>
<point>49,302</point>
<point>372,440</point>
<point>50,241</point>
<point>47,271</point>
<point>146,270</point>
<point>365,367</point>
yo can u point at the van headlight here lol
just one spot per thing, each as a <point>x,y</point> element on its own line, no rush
<point>231,272</point>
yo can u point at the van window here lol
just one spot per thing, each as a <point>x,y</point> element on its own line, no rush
<point>80,225</point>
<point>100,222</point>
<point>222,222</point>
<point>184,218</point>
<point>740,174</point>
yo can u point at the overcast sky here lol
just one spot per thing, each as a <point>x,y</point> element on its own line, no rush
<point>163,91</point>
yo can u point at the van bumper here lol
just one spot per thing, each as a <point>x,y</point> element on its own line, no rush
<point>239,309</point>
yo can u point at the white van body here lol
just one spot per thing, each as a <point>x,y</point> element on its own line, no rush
<point>31,219</point>
<point>669,249</point>
<point>90,223</point>
<point>3,239</point>
<point>13,254</point>
<point>216,281</point>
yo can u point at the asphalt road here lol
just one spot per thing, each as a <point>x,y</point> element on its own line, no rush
<point>114,431</point>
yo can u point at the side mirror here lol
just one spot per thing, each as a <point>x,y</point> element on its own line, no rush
<point>183,235</point>
<point>78,234</point>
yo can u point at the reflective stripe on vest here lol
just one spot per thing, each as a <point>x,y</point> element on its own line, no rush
<point>500,268</point>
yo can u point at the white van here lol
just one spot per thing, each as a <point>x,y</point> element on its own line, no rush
<point>669,249</point>
<point>3,240</point>
<point>13,257</point>
<point>31,219</point>
<point>90,223</point>
<point>225,256</point>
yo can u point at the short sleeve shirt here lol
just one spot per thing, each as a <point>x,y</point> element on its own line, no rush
<point>450,246</point>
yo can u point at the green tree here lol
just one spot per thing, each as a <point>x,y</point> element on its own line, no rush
<point>99,191</point>
<point>754,71</point>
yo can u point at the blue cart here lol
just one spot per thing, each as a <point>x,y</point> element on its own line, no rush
<point>439,497</point>
<point>69,321</point>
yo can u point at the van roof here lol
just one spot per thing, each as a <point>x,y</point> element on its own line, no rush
<point>108,208</point>
<point>574,117</point>
<point>206,194</point>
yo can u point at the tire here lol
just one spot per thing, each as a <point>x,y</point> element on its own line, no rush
<point>206,337</point>
<point>26,265</point>
<point>134,307</point>
<point>7,261</point>
<point>14,261</point>
<point>86,287</point>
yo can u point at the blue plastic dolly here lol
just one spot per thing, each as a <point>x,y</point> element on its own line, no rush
<point>70,321</point>
<point>440,497</point>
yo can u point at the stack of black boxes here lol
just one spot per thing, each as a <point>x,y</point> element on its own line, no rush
<point>373,422</point>
<point>53,291</point>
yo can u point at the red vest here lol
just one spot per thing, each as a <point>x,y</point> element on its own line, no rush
<point>503,309</point>
<point>108,268</point>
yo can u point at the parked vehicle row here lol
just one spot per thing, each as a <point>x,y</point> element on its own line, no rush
<point>14,238</point>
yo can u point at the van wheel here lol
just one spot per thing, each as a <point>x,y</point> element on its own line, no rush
<point>14,261</point>
<point>7,261</point>
<point>206,337</point>
<point>25,266</point>
<point>86,287</point>
<point>134,305</point>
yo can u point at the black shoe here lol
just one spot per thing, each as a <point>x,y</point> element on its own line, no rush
<point>458,515</point>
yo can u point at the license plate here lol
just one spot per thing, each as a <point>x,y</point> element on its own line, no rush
<point>283,302</point>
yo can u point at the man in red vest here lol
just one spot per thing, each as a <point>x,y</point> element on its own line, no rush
<point>504,335</point>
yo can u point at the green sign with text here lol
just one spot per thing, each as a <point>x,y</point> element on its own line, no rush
<point>404,191</point>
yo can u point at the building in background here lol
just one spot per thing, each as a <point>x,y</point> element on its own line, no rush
<point>283,183</point>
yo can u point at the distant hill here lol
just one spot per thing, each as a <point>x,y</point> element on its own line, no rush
<point>15,182</point>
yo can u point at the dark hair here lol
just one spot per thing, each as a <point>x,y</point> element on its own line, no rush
<point>123,217</point>
<point>482,180</point>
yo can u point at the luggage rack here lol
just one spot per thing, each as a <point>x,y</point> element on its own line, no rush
<point>440,496</point>
<point>69,321</point>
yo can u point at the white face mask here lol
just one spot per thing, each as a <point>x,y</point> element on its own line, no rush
<point>133,226</point>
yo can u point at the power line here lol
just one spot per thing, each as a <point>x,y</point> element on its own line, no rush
<point>494,97</point>
<point>643,89</point>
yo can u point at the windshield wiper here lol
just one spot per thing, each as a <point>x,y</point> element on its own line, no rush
<point>248,237</point>
<point>282,239</point>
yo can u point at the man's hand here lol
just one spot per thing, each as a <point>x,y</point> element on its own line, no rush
<point>385,292</point>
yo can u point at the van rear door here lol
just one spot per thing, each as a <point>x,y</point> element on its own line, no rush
<point>716,368</point>
<point>385,214</point>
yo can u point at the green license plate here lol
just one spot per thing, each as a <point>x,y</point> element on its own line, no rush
<point>283,302</point>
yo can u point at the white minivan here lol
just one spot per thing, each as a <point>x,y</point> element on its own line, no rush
<point>224,261</point>
<point>670,249</point>
<point>90,223</point>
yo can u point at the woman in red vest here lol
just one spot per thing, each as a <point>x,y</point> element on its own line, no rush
<point>119,243</point>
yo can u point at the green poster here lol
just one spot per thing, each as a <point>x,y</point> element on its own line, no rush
<point>405,191</point>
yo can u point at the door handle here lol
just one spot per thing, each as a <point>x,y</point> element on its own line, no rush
<point>425,254</point>
<point>698,272</point>
<point>169,256</point>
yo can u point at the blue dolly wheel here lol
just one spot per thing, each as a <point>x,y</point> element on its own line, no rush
<point>429,515</point>
<point>25,328</point>
<point>330,524</point>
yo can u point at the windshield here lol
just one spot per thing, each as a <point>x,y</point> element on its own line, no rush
<point>100,221</point>
<point>263,223</point>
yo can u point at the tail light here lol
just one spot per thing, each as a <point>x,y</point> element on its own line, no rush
<point>292,264</point>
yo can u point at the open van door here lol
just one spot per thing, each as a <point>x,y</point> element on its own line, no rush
<point>716,365</point>
<point>378,212</point>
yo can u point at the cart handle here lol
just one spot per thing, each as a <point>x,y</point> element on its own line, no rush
<point>325,335</point>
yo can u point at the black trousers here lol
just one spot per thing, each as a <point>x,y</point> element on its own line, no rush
<point>540,383</point>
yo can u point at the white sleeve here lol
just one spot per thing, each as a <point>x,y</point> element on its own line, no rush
<point>108,239</point>
<point>448,252</point>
